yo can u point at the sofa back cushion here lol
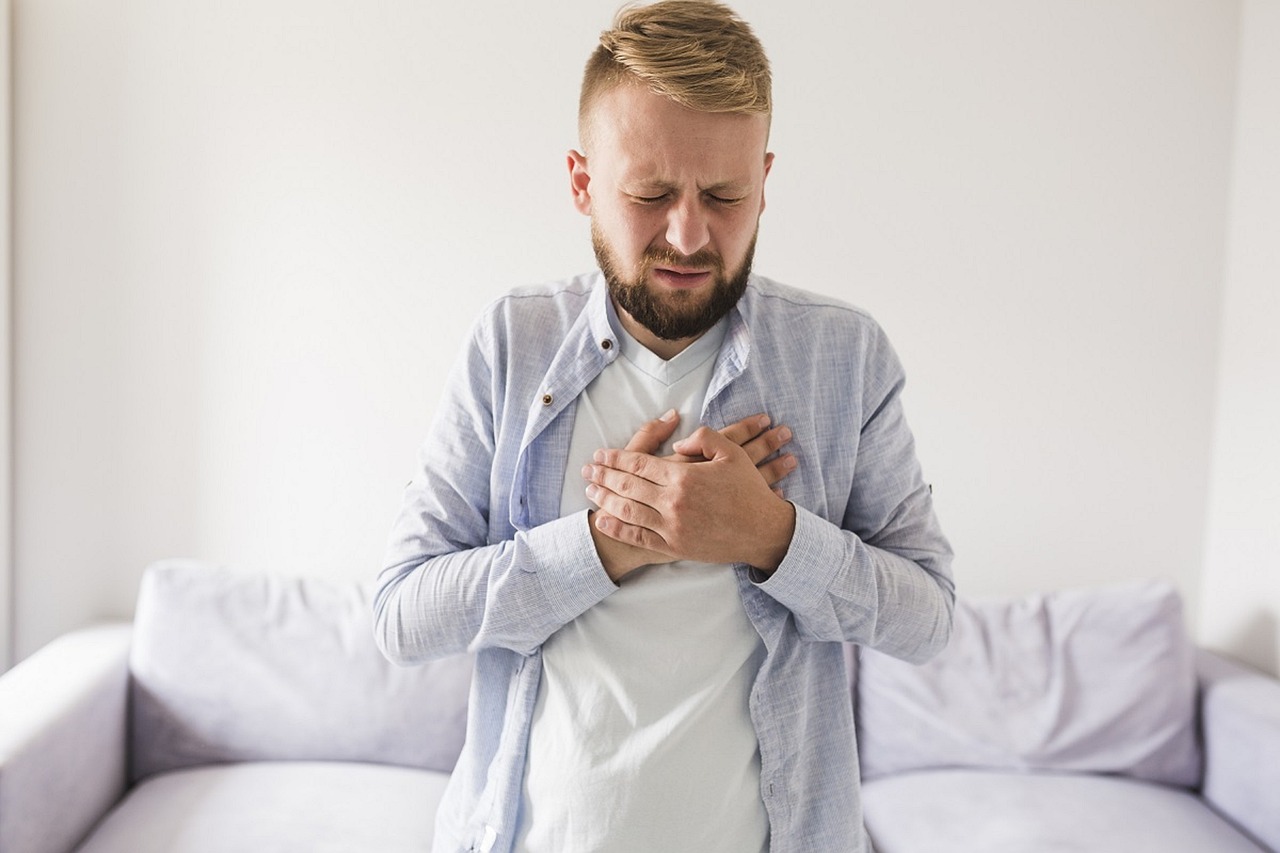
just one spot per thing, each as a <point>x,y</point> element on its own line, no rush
<point>229,666</point>
<point>1097,680</point>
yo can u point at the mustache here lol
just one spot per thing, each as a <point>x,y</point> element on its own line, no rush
<point>665,255</point>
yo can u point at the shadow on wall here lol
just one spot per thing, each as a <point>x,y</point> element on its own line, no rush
<point>1257,642</point>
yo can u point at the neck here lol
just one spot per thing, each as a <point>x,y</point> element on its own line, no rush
<point>661,347</point>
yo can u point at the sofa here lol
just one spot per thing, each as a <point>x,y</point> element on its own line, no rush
<point>250,712</point>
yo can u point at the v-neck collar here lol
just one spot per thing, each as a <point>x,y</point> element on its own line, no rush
<point>669,371</point>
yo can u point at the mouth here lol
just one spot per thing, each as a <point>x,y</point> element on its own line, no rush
<point>681,277</point>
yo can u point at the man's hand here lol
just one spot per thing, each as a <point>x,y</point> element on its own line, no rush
<point>751,435</point>
<point>723,508</point>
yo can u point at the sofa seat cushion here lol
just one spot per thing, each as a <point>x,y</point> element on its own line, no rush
<point>273,807</point>
<point>976,811</point>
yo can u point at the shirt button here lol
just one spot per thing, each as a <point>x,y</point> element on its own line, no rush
<point>547,399</point>
<point>606,344</point>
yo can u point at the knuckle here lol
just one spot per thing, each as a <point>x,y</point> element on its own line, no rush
<point>643,466</point>
<point>678,504</point>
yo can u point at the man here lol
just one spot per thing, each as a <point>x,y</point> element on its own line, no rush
<point>658,627</point>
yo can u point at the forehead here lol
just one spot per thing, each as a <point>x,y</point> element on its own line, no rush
<point>634,131</point>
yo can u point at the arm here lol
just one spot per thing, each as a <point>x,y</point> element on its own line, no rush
<point>446,590</point>
<point>879,577</point>
<point>447,586</point>
<point>63,739</point>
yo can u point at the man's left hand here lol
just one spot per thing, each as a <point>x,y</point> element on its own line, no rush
<point>718,510</point>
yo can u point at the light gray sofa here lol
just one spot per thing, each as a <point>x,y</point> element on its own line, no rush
<point>250,713</point>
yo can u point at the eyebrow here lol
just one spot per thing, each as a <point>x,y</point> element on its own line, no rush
<point>734,187</point>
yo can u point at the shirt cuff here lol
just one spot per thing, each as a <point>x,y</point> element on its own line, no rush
<point>567,566</point>
<point>804,577</point>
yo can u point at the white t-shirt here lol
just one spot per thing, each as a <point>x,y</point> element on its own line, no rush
<point>642,739</point>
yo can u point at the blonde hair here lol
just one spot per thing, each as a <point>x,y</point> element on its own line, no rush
<point>698,53</point>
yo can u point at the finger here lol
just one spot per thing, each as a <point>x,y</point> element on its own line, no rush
<point>767,443</point>
<point>746,429</point>
<point>653,433</point>
<point>621,483</point>
<point>630,534</point>
<point>641,465</point>
<point>706,443</point>
<point>775,469</point>
<point>652,555</point>
<point>624,509</point>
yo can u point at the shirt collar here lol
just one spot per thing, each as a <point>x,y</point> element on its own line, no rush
<point>733,344</point>
<point>672,370</point>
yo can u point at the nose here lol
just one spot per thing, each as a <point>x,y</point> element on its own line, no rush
<point>687,226</point>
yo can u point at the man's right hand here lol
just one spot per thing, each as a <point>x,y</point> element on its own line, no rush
<point>752,434</point>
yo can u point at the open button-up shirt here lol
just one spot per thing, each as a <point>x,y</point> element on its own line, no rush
<point>479,560</point>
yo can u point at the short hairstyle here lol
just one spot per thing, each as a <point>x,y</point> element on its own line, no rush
<point>698,53</point>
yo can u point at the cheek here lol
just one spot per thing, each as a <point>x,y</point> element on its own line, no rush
<point>629,234</point>
<point>736,235</point>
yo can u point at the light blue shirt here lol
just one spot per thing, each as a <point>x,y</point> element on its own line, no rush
<point>480,561</point>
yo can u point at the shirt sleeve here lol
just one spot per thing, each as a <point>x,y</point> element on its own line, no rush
<point>445,587</point>
<point>881,577</point>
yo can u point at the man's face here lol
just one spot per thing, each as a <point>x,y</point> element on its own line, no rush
<point>674,197</point>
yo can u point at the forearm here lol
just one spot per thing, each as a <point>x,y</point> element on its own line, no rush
<point>895,599</point>
<point>512,594</point>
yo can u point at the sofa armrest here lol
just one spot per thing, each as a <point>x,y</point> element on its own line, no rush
<point>1240,721</point>
<point>63,746</point>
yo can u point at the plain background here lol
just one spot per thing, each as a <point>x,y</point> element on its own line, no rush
<point>249,237</point>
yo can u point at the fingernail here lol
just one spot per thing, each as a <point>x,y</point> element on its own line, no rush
<point>602,523</point>
<point>592,492</point>
<point>587,472</point>
<point>788,462</point>
<point>762,421</point>
<point>785,434</point>
<point>598,456</point>
<point>669,416</point>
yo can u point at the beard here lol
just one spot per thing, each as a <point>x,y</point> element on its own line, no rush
<point>673,315</point>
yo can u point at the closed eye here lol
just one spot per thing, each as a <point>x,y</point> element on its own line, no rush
<point>649,199</point>
<point>712,198</point>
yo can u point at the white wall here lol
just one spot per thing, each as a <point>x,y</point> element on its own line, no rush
<point>6,352</point>
<point>1241,596</point>
<point>249,237</point>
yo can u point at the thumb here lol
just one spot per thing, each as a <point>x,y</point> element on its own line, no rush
<point>653,433</point>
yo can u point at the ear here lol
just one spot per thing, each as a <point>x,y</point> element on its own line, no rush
<point>768,164</point>
<point>579,182</point>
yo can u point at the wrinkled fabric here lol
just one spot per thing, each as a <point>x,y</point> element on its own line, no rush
<point>1098,680</point>
<point>479,559</point>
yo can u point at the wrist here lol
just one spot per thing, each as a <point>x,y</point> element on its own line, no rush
<point>778,528</point>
